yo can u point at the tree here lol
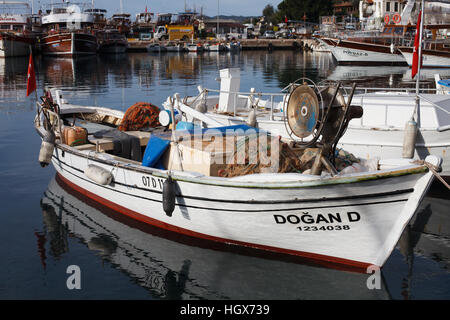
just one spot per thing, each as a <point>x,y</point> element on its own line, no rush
<point>268,11</point>
<point>313,9</point>
<point>269,14</point>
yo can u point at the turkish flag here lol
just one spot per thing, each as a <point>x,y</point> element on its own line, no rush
<point>285,19</point>
<point>31,76</point>
<point>415,61</point>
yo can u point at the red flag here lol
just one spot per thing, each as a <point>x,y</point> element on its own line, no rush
<point>415,61</point>
<point>285,19</point>
<point>31,76</point>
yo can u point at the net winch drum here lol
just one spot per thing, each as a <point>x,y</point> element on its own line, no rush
<point>321,115</point>
<point>303,111</point>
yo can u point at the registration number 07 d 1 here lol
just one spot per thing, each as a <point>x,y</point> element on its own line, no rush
<point>152,183</point>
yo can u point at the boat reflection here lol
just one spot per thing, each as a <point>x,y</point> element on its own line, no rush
<point>171,267</point>
<point>13,84</point>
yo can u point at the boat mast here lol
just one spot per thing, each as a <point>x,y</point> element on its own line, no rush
<point>217,33</point>
<point>417,107</point>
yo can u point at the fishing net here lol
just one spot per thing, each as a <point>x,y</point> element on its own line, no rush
<point>258,154</point>
<point>140,116</point>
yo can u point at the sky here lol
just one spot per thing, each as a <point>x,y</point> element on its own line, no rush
<point>226,7</point>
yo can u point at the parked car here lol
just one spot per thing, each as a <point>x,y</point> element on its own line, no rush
<point>269,34</point>
<point>284,34</point>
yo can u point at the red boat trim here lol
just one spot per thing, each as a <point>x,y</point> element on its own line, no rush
<point>328,260</point>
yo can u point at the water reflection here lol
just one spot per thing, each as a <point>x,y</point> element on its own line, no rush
<point>172,269</point>
<point>13,81</point>
<point>265,71</point>
<point>260,69</point>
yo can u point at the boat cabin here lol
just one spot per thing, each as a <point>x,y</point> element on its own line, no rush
<point>67,18</point>
<point>14,23</point>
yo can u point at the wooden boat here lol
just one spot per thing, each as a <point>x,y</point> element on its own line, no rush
<point>65,32</point>
<point>351,52</point>
<point>436,54</point>
<point>111,41</point>
<point>121,22</point>
<point>378,133</point>
<point>16,36</point>
<point>351,220</point>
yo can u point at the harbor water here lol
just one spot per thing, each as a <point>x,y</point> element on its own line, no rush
<point>47,228</point>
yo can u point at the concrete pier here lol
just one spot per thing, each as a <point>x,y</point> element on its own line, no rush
<point>246,44</point>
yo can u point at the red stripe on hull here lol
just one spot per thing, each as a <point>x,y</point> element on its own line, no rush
<point>322,260</point>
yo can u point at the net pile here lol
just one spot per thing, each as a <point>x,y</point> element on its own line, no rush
<point>252,157</point>
<point>140,116</point>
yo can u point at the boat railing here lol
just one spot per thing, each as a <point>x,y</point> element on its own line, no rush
<point>367,90</point>
<point>272,100</point>
<point>255,97</point>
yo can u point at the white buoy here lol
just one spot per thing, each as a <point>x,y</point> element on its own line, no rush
<point>165,117</point>
<point>251,121</point>
<point>201,107</point>
<point>98,174</point>
<point>47,148</point>
<point>409,140</point>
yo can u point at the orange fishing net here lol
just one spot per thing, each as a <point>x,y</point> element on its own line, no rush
<point>139,116</point>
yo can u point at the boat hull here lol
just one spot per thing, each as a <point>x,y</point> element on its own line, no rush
<point>69,44</point>
<point>351,224</point>
<point>355,53</point>
<point>14,46</point>
<point>113,48</point>
<point>431,59</point>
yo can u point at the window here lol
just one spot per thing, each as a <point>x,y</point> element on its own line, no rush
<point>388,6</point>
<point>396,6</point>
<point>5,26</point>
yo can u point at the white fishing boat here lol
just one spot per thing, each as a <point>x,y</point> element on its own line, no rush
<point>156,47</point>
<point>152,258</point>
<point>379,132</point>
<point>217,47</point>
<point>340,218</point>
<point>194,47</point>
<point>174,47</point>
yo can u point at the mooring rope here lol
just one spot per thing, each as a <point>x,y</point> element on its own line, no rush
<point>434,170</point>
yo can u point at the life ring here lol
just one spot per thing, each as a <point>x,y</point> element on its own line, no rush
<point>397,18</point>
<point>386,19</point>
